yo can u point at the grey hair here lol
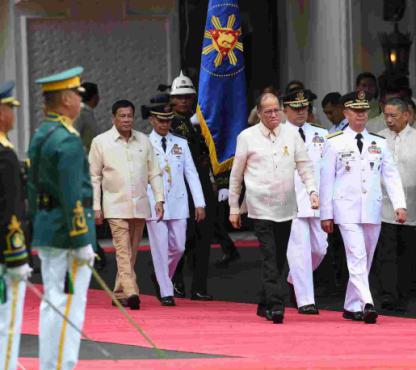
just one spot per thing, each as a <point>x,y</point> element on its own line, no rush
<point>400,103</point>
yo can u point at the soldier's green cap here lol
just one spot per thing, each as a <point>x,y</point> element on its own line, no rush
<point>69,79</point>
<point>6,95</point>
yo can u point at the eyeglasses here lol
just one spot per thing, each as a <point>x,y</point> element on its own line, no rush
<point>270,112</point>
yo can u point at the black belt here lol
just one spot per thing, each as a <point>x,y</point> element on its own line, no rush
<point>46,202</point>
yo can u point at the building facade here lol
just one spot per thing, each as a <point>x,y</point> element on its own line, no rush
<point>129,47</point>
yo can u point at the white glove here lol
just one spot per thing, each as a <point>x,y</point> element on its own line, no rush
<point>194,119</point>
<point>20,273</point>
<point>222,195</point>
<point>85,254</point>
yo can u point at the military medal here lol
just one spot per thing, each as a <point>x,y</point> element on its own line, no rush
<point>177,150</point>
<point>372,165</point>
<point>347,167</point>
<point>374,149</point>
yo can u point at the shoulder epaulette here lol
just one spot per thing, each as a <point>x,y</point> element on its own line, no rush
<point>316,125</point>
<point>330,136</point>
<point>372,133</point>
<point>179,135</point>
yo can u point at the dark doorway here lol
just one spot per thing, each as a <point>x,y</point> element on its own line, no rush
<point>260,38</point>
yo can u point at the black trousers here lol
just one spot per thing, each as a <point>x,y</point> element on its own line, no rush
<point>220,229</point>
<point>198,246</point>
<point>396,260</point>
<point>273,238</point>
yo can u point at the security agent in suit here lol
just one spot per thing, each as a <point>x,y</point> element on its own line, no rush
<point>199,235</point>
<point>14,268</point>
<point>308,242</point>
<point>167,237</point>
<point>354,164</point>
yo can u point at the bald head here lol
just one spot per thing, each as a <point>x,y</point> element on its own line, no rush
<point>263,98</point>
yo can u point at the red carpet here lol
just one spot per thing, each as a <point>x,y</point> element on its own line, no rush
<point>233,329</point>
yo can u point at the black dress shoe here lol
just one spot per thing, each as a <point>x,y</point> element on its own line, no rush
<point>261,310</point>
<point>133,302</point>
<point>179,290</point>
<point>354,316</point>
<point>227,258</point>
<point>309,309</point>
<point>123,302</point>
<point>198,296</point>
<point>156,285</point>
<point>370,314</point>
<point>168,301</point>
<point>275,315</point>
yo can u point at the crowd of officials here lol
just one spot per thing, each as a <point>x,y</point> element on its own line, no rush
<point>351,188</point>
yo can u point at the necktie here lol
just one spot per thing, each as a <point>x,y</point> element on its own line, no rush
<point>359,142</point>
<point>164,144</point>
<point>302,134</point>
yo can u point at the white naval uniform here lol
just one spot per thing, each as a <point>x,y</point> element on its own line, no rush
<point>351,195</point>
<point>308,242</point>
<point>11,313</point>
<point>167,237</point>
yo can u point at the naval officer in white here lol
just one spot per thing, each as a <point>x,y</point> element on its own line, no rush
<point>308,242</point>
<point>167,237</point>
<point>354,164</point>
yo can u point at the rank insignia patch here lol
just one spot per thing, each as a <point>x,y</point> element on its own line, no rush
<point>79,223</point>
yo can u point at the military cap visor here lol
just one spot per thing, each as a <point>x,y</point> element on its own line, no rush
<point>162,112</point>
<point>66,80</point>
<point>296,99</point>
<point>6,96</point>
<point>356,100</point>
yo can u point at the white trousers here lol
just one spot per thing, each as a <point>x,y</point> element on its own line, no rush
<point>360,241</point>
<point>58,342</point>
<point>306,249</point>
<point>11,314</point>
<point>167,244</point>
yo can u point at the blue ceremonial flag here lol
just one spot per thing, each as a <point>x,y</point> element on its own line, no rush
<point>221,109</point>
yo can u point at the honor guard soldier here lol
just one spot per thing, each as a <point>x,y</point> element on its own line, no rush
<point>14,268</point>
<point>60,196</point>
<point>199,235</point>
<point>168,236</point>
<point>354,164</point>
<point>308,242</point>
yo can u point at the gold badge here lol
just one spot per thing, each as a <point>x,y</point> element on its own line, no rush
<point>361,95</point>
<point>300,96</point>
<point>15,238</point>
<point>79,223</point>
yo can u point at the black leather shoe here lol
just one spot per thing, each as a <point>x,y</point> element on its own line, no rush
<point>155,285</point>
<point>123,302</point>
<point>133,302</point>
<point>179,290</point>
<point>370,314</point>
<point>354,316</point>
<point>168,301</point>
<point>309,309</point>
<point>275,315</point>
<point>198,296</point>
<point>261,310</point>
<point>227,258</point>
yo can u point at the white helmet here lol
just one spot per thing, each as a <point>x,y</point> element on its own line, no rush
<point>182,85</point>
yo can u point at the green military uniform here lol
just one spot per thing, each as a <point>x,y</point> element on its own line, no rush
<point>60,197</point>
<point>60,191</point>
